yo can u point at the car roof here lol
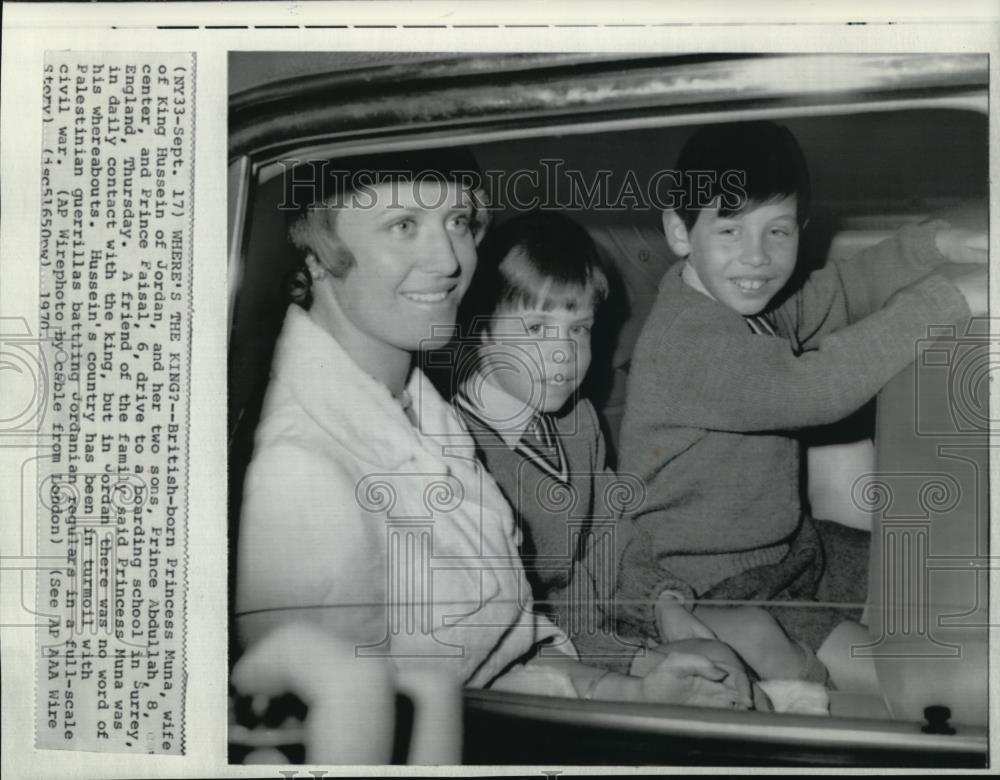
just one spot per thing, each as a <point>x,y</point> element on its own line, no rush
<point>292,101</point>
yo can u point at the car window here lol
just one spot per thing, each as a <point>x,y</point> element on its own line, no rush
<point>872,172</point>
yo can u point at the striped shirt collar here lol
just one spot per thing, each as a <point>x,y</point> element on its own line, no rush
<point>761,325</point>
<point>515,423</point>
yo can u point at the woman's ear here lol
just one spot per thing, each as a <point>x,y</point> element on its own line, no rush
<point>677,233</point>
<point>316,269</point>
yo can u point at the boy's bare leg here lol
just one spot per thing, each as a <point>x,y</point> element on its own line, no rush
<point>847,673</point>
<point>758,638</point>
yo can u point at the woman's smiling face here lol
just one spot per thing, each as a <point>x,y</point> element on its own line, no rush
<point>414,248</point>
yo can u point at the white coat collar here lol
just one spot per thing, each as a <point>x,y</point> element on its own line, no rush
<point>354,407</point>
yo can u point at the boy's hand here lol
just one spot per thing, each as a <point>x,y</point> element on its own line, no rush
<point>687,678</point>
<point>962,245</point>
<point>675,621</point>
<point>974,287</point>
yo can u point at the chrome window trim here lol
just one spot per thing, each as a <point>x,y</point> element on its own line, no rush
<point>267,165</point>
<point>681,722</point>
<point>239,188</point>
<point>489,93</point>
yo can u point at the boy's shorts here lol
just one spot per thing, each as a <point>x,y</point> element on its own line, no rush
<point>825,572</point>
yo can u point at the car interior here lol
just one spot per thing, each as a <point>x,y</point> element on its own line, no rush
<point>871,173</point>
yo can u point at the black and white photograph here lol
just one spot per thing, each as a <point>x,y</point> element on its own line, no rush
<point>608,409</point>
<point>441,388</point>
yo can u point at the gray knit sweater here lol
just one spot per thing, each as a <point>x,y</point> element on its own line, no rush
<point>713,411</point>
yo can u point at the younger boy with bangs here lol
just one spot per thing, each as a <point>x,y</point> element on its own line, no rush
<point>529,313</point>
<point>732,364</point>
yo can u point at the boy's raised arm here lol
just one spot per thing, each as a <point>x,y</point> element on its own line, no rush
<point>846,291</point>
<point>723,377</point>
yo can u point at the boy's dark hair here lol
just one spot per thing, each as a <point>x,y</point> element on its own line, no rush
<point>742,164</point>
<point>315,189</point>
<point>540,259</point>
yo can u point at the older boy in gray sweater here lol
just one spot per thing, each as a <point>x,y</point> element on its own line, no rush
<point>732,363</point>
